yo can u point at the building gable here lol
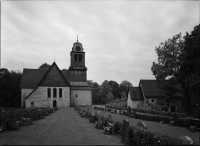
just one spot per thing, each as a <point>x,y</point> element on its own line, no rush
<point>54,77</point>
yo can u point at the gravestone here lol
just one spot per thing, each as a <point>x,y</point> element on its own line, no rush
<point>186,139</point>
<point>125,126</point>
<point>118,112</point>
<point>142,124</point>
<point>129,111</point>
<point>133,113</point>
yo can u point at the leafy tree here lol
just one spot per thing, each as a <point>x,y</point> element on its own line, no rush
<point>95,91</point>
<point>115,89</point>
<point>44,66</point>
<point>173,71</point>
<point>124,87</point>
<point>104,90</point>
<point>10,95</point>
<point>110,97</point>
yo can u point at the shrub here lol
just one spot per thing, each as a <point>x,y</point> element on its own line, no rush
<point>156,118</point>
<point>140,136</point>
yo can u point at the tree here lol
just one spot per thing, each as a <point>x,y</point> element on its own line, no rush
<point>95,91</point>
<point>170,72</point>
<point>124,86</point>
<point>44,66</point>
<point>110,97</point>
<point>10,95</point>
<point>115,89</point>
<point>104,90</point>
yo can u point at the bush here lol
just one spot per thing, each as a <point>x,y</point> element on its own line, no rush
<point>143,137</point>
<point>156,118</point>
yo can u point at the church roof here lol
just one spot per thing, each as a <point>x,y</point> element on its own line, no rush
<point>136,93</point>
<point>151,90</point>
<point>31,77</point>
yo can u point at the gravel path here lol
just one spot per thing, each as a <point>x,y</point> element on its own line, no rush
<point>64,127</point>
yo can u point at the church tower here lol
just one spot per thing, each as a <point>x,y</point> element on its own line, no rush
<point>77,69</point>
<point>81,94</point>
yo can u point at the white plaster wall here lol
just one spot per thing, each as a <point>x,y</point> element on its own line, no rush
<point>132,104</point>
<point>84,97</point>
<point>24,94</point>
<point>40,99</point>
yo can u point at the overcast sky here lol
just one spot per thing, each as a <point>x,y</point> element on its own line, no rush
<point>119,37</point>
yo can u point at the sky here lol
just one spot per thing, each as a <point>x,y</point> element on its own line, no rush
<point>119,37</point>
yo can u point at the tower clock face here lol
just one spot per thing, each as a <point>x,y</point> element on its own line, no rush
<point>78,48</point>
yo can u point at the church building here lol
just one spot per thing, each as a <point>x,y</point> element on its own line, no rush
<point>57,88</point>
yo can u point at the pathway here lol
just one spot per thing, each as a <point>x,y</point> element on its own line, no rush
<point>64,127</point>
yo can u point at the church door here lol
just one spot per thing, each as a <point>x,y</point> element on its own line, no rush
<point>32,104</point>
<point>54,103</point>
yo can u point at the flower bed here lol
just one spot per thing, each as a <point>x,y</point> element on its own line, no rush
<point>13,119</point>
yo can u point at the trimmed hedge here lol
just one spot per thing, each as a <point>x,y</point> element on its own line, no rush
<point>155,112</point>
<point>157,118</point>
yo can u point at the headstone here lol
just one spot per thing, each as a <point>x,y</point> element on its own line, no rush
<point>125,126</point>
<point>142,124</point>
<point>186,139</point>
<point>118,112</point>
<point>129,111</point>
<point>133,113</point>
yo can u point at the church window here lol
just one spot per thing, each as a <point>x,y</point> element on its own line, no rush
<point>60,92</point>
<point>49,92</point>
<point>54,92</point>
<point>80,58</point>
<point>75,57</point>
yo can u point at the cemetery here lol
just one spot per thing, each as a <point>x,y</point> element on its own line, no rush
<point>102,119</point>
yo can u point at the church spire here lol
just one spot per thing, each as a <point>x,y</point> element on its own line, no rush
<point>77,38</point>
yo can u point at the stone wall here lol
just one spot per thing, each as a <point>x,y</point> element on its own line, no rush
<point>160,104</point>
<point>40,99</point>
<point>24,94</point>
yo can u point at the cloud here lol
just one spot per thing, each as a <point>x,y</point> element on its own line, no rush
<point>119,37</point>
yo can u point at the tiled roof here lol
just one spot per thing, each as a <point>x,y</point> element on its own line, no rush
<point>151,90</point>
<point>31,77</point>
<point>136,94</point>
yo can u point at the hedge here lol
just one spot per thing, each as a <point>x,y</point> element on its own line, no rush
<point>157,118</point>
<point>155,112</point>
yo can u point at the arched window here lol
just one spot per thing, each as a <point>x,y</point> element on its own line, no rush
<point>54,92</point>
<point>49,92</point>
<point>80,58</point>
<point>60,92</point>
<point>75,57</point>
